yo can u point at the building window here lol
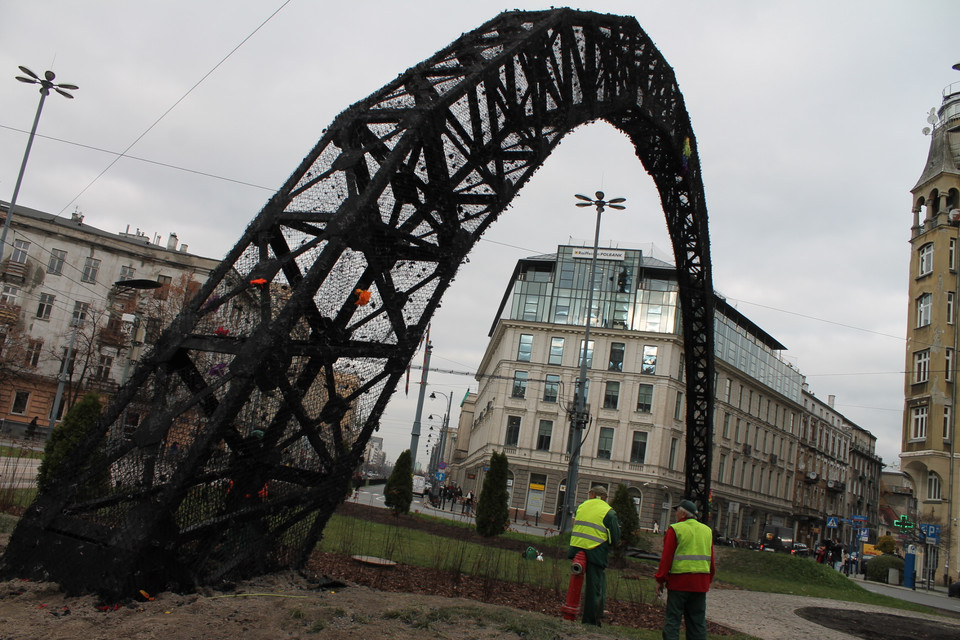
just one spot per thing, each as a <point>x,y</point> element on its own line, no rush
<point>544,434</point>
<point>586,390</point>
<point>91,267</point>
<point>513,431</point>
<point>950,307</point>
<point>589,355</point>
<point>948,365</point>
<point>736,436</point>
<point>57,258</point>
<point>525,348</point>
<point>127,272</point>
<point>726,424</point>
<point>649,363</point>
<point>727,388</point>
<point>926,259</point>
<point>645,398</point>
<point>103,368</point>
<point>952,254</point>
<point>921,366</point>
<point>556,351</point>
<point>163,292</point>
<point>918,423</point>
<point>616,357</point>
<point>551,388</point>
<point>80,312</point>
<point>20,400</point>
<point>519,384</point>
<point>678,409</point>
<point>605,443</point>
<point>611,395</point>
<point>20,249</point>
<point>45,306</point>
<point>672,460</point>
<point>34,350</point>
<point>933,486</point>
<point>947,422</point>
<point>638,450</point>
<point>722,468</point>
<point>924,304</point>
<point>10,295</point>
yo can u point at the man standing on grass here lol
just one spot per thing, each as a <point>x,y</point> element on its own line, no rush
<point>686,570</point>
<point>595,530</point>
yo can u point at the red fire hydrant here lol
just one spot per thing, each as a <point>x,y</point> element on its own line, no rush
<point>571,608</point>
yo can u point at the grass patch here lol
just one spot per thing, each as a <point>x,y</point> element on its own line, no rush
<point>784,573</point>
<point>7,451</point>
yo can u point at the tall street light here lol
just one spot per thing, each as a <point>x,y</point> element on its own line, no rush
<point>579,416</point>
<point>46,83</point>
<point>446,423</point>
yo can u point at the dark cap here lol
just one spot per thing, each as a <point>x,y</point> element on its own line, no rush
<point>688,506</point>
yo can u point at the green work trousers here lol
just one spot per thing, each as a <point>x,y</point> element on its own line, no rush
<point>689,606</point>
<point>594,594</point>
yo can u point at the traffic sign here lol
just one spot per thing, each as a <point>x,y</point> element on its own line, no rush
<point>860,518</point>
<point>832,522</point>
<point>442,466</point>
<point>931,532</point>
<point>441,476</point>
<point>863,534</point>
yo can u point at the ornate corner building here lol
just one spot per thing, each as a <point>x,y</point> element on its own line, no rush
<point>929,453</point>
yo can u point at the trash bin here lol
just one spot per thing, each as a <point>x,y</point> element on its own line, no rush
<point>893,576</point>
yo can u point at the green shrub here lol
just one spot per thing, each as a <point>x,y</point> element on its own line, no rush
<point>622,503</point>
<point>878,567</point>
<point>886,544</point>
<point>493,511</point>
<point>398,492</point>
<point>74,429</point>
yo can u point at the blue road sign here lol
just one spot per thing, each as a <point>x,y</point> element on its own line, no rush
<point>441,476</point>
<point>832,522</point>
<point>860,518</point>
<point>932,533</point>
<point>863,534</point>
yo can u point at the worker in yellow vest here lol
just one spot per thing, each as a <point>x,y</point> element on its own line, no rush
<point>686,570</point>
<point>595,530</point>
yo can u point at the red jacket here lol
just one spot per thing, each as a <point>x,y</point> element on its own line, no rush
<point>696,582</point>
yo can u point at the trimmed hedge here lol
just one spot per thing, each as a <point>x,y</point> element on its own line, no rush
<point>878,567</point>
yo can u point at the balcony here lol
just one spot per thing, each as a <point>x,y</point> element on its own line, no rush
<point>9,313</point>
<point>836,485</point>
<point>810,477</point>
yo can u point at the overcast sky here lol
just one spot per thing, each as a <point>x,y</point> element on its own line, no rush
<point>808,118</point>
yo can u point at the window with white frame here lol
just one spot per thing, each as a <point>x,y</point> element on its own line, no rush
<point>34,350</point>
<point>80,310</point>
<point>513,431</point>
<point>519,384</point>
<point>674,449</point>
<point>551,388</point>
<point>525,348</point>
<point>57,258</point>
<point>950,307</point>
<point>918,423</point>
<point>952,254</point>
<point>638,448</point>
<point>947,423</point>
<point>933,486</point>
<point>948,364</point>
<point>556,351</point>
<point>611,395</point>
<point>921,366</point>
<point>91,267</point>
<point>924,306</point>
<point>649,363</point>
<point>127,272</point>
<point>678,408</point>
<point>103,367</point>
<point>544,435</point>
<point>20,401</point>
<point>926,259</point>
<point>10,295</point>
<point>45,306</point>
<point>645,398</point>
<point>20,250</point>
<point>605,443</point>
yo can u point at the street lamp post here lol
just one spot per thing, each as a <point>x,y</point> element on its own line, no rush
<point>446,423</point>
<point>579,417</point>
<point>46,83</point>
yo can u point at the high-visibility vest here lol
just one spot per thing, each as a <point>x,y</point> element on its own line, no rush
<point>694,540</point>
<point>588,528</point>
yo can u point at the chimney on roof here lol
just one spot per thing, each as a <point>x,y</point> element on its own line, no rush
<point>172,242</point>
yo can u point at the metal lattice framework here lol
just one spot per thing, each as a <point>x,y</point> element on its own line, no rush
<point>261,396</point>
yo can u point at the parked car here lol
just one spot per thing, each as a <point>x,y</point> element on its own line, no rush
<point>800,549</point>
